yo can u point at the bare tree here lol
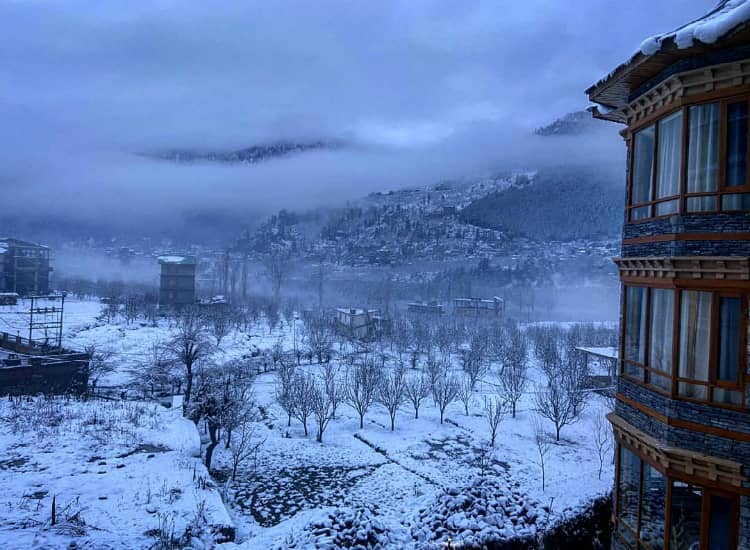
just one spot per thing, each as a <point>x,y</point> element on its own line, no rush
<point>542,446</point>
<point>303,387</point>
<point>362,384</point>
<point>101,363</point>
<point>513,376</point>
<point>209,405</point>
<point>334,388</point>
<point>465,392</point>
<point>220,323</point>
<point>391,392</point>
<point>285,376</point>
<point>444,392</point>
<point>494,411</point>
<point>575,377</point>
<point>602,440</point>
<point>416,388</point>
<point>474,358</point>
<point>188,346</point>
<point>245,445</point>
<point>318,334</point>
<point>131,307</point>
<point>156,372</point>
<point>553,403</point>
<point>322,408</point>
<point>277,264</point>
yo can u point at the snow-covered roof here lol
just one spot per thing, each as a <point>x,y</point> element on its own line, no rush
<point>660,51</point>
<point>187,260</point>
<point>719,22</point>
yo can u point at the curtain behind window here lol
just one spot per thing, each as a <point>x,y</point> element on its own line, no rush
<point>703,154</point>
<point>668,163</point>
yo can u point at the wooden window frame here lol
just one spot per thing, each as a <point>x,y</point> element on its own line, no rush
<point>707,491</point>
<point>721,188</point>
<point>715,334</point>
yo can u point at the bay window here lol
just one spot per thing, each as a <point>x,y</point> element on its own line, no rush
<point>703,156</point>
<point>714,153</point>
<point>708,362</point>
<point>655,512</point>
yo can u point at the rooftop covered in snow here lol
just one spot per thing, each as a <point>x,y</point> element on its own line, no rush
<point>181,260</point>
<point>722,35</point>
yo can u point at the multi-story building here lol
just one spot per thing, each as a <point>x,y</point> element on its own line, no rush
<point>681,420</point>
<point>24,267</point>
<point>477,307</point>
<point>177,281</point>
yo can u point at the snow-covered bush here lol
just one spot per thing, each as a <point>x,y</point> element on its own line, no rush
<point>485,511</point>
<point>350,527</point>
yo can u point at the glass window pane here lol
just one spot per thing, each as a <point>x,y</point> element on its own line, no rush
<point>695,334</point>
<point>720,526</point>
<point>640,213</point>
<point>736,144</point>
<point>701,204</point>
<point>662,314</point>
<point>727,397</point>
<point>685,524</point>
<point>653,508</point>
<point>659,381</point>
<point>635,324</point>
<point>629,488</point>
<point>667,207</point>
<point>729,346</point>
<point>693,391</point>
<point>634,371</point>
<point>670,156</point>
<point>643,165</point>
<point>736,201</point>
<point>703,147</point>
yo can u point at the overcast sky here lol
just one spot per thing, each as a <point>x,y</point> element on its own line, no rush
<point>85,84</point>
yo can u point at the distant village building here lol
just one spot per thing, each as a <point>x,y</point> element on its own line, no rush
<point>430,308</point>
<point>177,282</point>
<point>361,324</point>
<point>24,267</point>
<point>477,307</point>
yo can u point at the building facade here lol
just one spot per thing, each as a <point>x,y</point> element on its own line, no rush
<point>24,267</point>
<point>477,307</point>
<point>177,281</point>
<point>681,419</point>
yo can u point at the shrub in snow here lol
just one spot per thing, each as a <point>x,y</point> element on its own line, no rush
<point>486,511</point>
<point>356,527</point>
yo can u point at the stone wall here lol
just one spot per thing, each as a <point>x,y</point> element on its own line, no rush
<point>692,223</point>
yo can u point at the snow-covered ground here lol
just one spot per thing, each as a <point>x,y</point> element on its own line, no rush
<point>394,486</point>
<point>397,474</point>
<point>119,471</point>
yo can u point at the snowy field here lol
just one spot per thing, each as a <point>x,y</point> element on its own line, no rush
<point>121,474</point>
<point>389,487</point>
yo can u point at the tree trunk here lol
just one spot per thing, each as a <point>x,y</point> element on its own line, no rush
<point>557,432</point>
<point>361,421</point>
<point>416,412</point>
<point>320,435</point>
<point>304,425</point>
<point>513,407</point>
<point>212,429</point>
<point>229,438</point>
<point>393,421</point>
<point>441,415</point>
<point>188,388</point>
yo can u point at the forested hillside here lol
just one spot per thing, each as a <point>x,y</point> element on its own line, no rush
<point>560,204</point>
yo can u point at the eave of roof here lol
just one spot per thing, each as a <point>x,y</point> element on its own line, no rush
<point>614,90</point>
